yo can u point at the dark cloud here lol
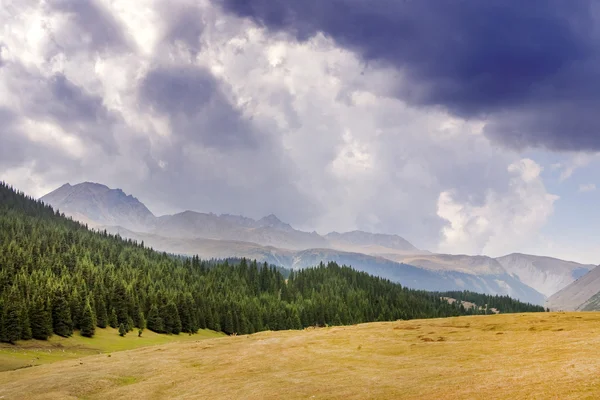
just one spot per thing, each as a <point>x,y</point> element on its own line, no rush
<point>477,59</point>
<point>91,26</point>
<point>197,107</point>
<point>184,25</point>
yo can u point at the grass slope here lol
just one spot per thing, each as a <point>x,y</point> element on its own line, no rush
<point>38,352</point>
<point>551,355</point>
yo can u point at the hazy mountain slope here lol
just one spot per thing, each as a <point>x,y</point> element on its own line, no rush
<point>370,243</point>
<point>97,204</point>
<point>578,295</point>
<point>545,274</point>
<point>473,265</point>
<point>268,231</point>
<point>495,282</point>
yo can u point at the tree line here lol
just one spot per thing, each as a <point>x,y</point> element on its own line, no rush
<point>58,277</point>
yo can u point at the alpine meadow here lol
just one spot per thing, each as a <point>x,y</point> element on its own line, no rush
<point>315,199</point>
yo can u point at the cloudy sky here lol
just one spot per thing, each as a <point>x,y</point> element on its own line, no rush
<point>465,126</point>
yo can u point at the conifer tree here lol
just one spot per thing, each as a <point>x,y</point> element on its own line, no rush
<point>26,333</point>
<point>88,321</point>
<point>40,319</point>
<point>101,314</point>
<point>12,322</point>
<point>122,330</point>
<point>155,322</point>
<point>113,321</point>
<point>61,315</point>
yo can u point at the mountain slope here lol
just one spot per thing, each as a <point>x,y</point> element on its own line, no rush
<point>417,277</point>
<point>545,274</point>
<point>578,295</point>
<point>97,204</point>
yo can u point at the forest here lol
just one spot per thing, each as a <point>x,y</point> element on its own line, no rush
<point>58,277</point>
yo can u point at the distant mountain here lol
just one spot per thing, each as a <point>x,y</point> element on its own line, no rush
<point>272,240</point>
<point>545,274</point>
<point>370,243</point>
<point>583,294</point>
<point>96,204</point>
<point>493,282</point>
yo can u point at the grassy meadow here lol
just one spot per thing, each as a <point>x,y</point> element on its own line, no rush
<point>506,356</point>
<point>37,352</point>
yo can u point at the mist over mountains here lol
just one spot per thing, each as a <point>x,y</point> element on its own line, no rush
<point>526,277</point>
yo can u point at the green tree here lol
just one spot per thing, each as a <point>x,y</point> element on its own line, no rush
<point>12,322</point>
<point>88,321</point>
<point>40,319</point>
<point>61,315</point>
<point>122,330</point>
<point>155,322</point>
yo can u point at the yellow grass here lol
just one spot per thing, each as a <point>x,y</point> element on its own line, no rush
<point>36,352</point>
<point>531,356</point>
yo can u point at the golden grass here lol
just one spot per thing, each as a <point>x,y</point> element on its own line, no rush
<point>524,356</point>
<point>36,352</point>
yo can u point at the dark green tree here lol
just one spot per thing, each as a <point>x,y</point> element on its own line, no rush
<point>61,315</point>
<point>122,330</point>
<point>88,321</point>
<point>40,319</point>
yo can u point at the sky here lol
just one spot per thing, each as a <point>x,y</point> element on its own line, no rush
<point>464,126</point>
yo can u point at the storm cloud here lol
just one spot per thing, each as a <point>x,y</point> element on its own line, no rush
<point>334,115</point>
<point>530,68</point>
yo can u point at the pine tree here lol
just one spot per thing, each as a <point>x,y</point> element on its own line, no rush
<point>113,321</point>
<point>155,322</point>
<point>122,330</point>
<point>26,333</point>
<point>171,320</point>
<point>101,314</point>
<point>88,321</point>
<point>12,322</point>
<point>40,319</point>
<point>61,315</point>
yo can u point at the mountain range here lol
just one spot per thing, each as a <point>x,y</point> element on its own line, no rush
<point>526,277</point>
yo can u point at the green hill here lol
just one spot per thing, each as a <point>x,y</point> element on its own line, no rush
<point>57,277</point>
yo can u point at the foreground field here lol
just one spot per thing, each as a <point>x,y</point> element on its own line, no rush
<point>35,352</point>
<point>547,355</point>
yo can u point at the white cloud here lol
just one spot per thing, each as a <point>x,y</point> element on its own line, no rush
<point>589,187</point>
<point>334,150</point>
<point>578,161</point>
<point>502,223</point>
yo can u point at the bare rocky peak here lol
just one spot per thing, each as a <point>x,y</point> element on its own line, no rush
<point>98,204</point>
<point>271,221</point>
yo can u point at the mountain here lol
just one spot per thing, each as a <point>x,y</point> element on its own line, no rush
<point>272,240</point>
<point>96,204</point>
<point>491,281</point>
<point>370,243</point>
<point>545,274</point>
<point>583,294</point>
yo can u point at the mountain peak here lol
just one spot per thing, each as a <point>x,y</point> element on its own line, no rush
<point>272,221</point>
<point>98,204</point>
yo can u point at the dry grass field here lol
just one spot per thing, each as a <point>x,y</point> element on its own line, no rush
<point>522,356</point>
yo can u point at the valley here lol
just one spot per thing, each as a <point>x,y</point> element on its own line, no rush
<point>526,277</point>
<point>547,355</point>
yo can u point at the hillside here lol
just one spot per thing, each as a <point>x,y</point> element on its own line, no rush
<point>97,204</point>
<point>545,274</point>
<point>457,277</point>
<point>58,277</point>
<point>516,356</point>
<point>271,240</point>
<point>578,295</point>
